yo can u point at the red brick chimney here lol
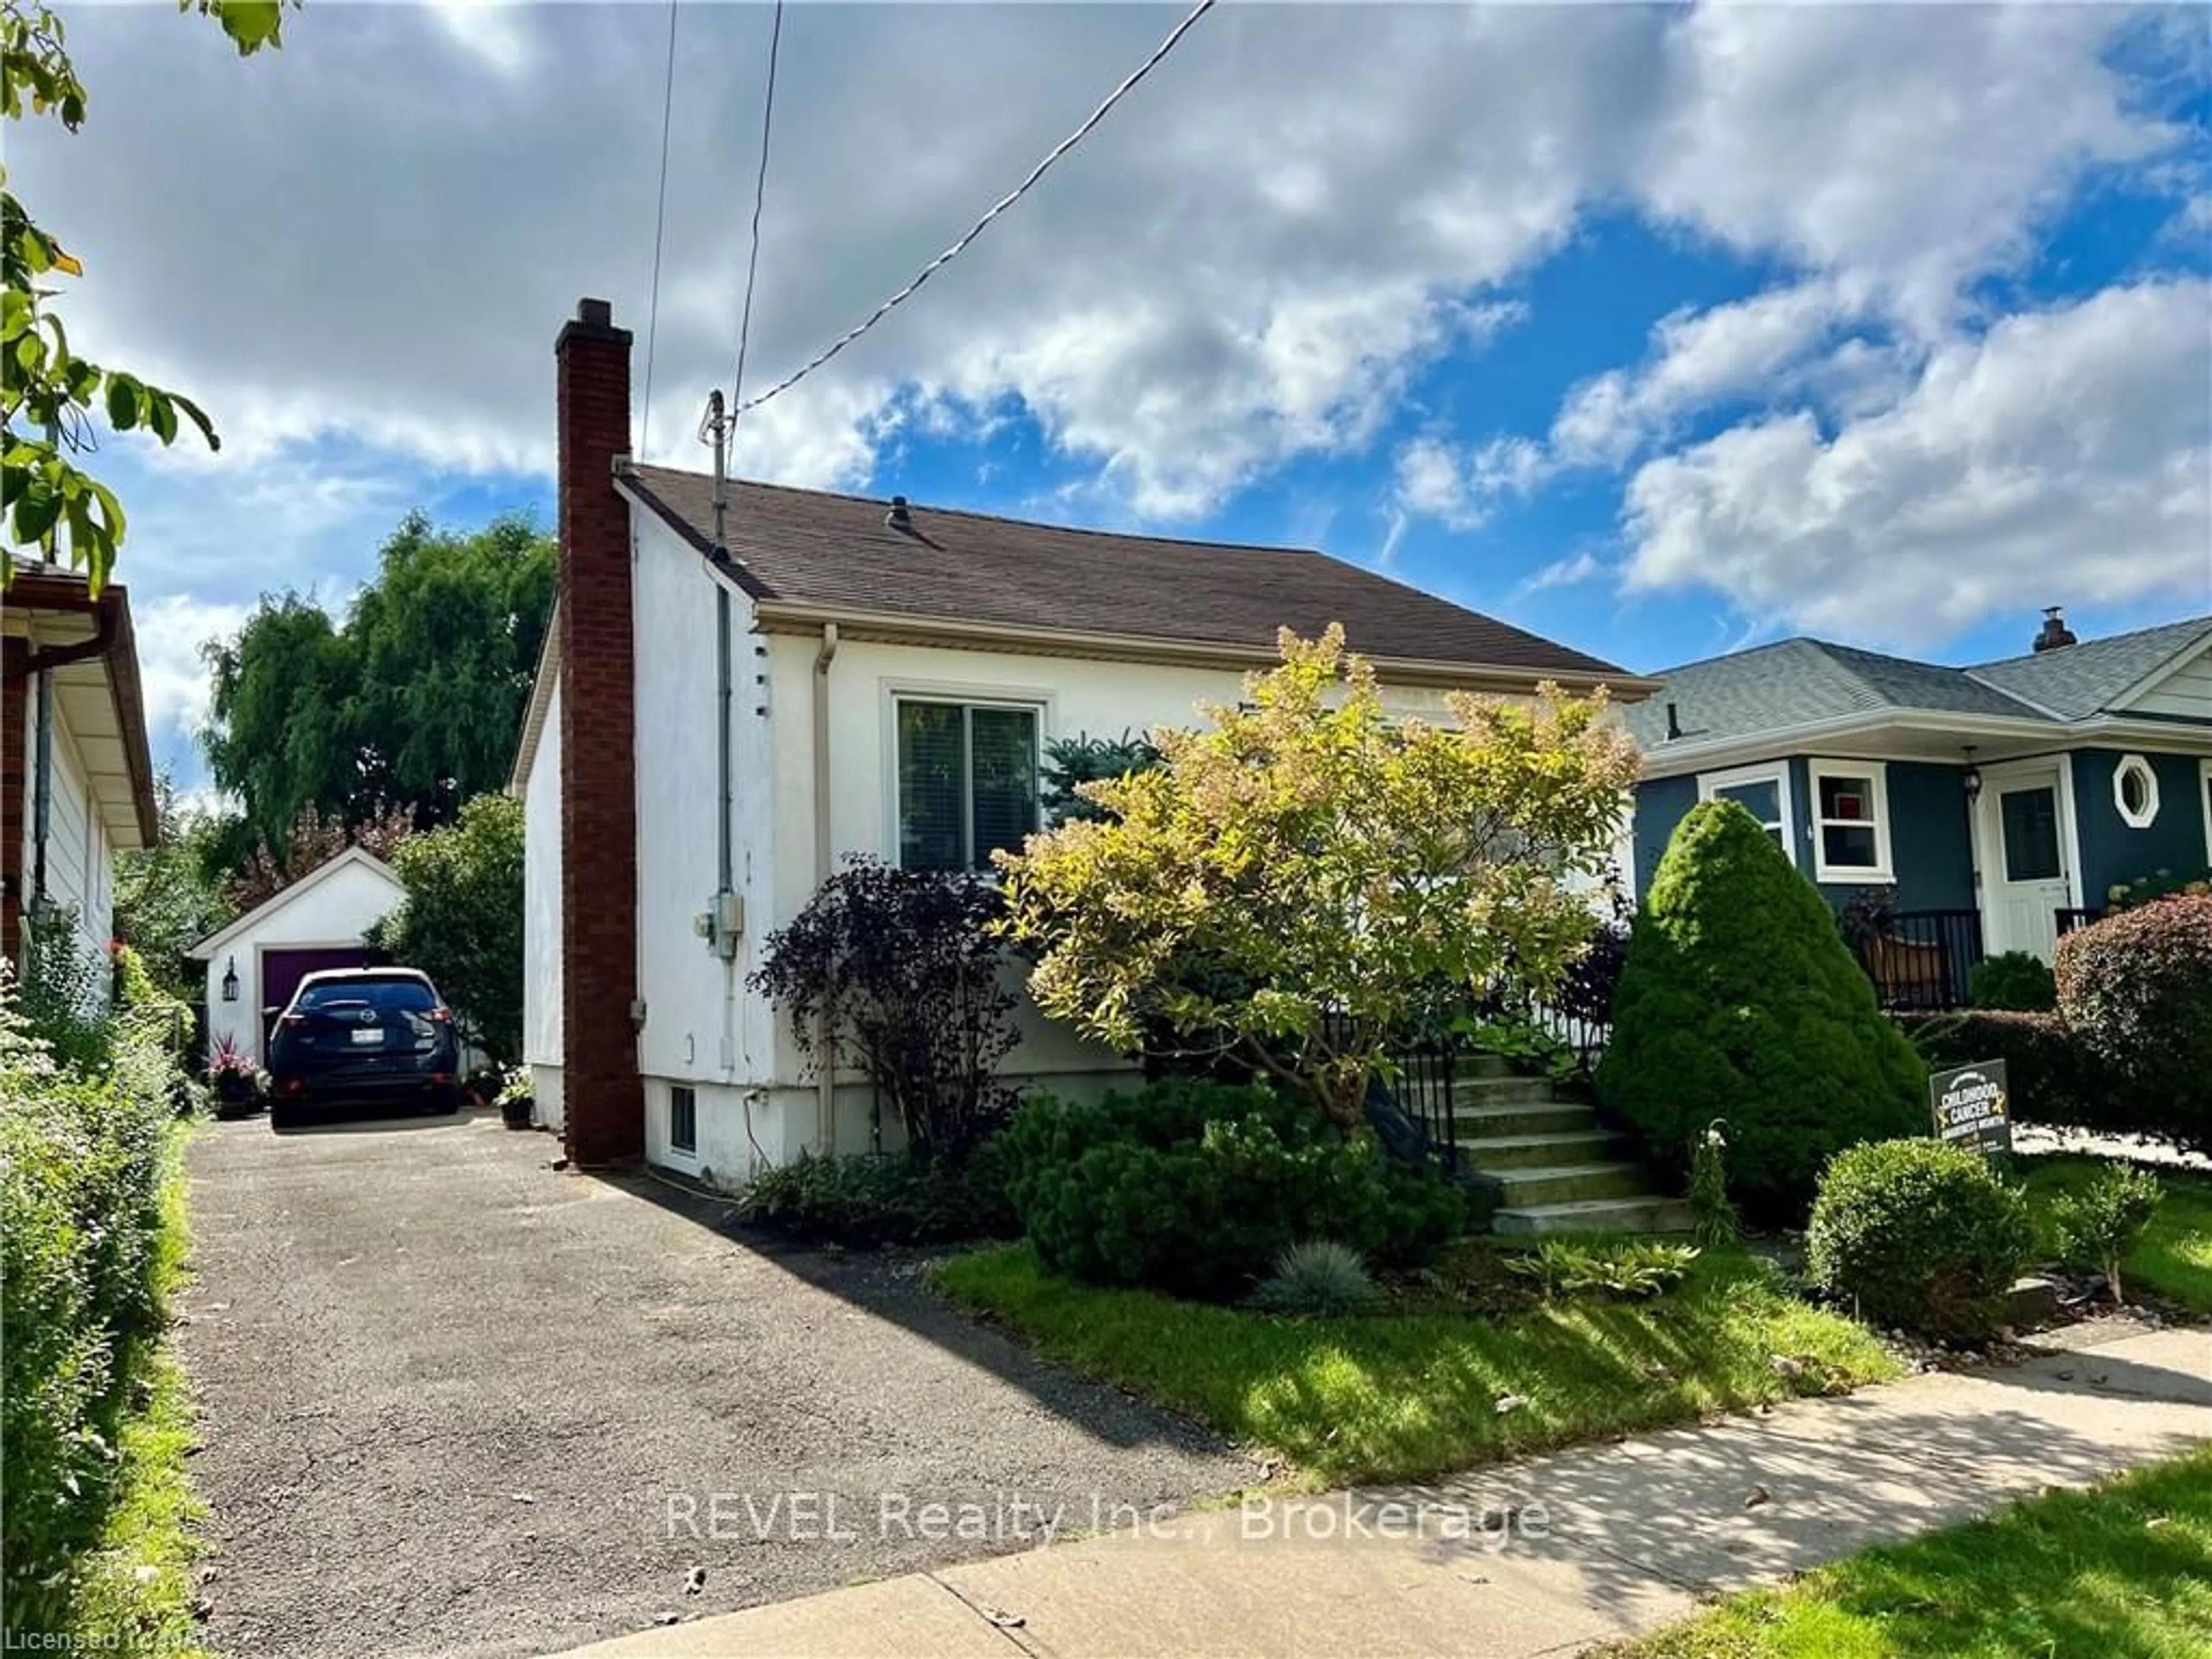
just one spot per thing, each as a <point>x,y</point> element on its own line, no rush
<point>603,1103</point>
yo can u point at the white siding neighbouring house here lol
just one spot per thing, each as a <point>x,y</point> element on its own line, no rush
<point>75,779</point>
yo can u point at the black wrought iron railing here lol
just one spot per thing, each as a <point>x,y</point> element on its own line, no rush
<point>2073,920</point>
<point>1921,959</point>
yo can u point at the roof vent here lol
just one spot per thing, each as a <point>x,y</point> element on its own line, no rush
<point>898,518</point>
<point>2056,634</point>
<point>1674,723</point>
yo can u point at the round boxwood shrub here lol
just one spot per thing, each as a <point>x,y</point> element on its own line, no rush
<point>2135,989</point>
<point>1918,1235</point>
<point>1198,1187</point>
<point>2014,981</point>
<point>1740,1000</point>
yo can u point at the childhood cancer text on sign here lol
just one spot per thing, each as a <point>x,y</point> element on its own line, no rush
<point>1973,1107</point>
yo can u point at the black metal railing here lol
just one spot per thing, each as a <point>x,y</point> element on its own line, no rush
<point>2072,920</point>
<point>1921,959</point>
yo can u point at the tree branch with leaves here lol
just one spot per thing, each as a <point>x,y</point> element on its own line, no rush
<point>53,402</point>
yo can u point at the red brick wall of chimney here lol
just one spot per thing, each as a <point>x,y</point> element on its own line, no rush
<point>603,1103</point>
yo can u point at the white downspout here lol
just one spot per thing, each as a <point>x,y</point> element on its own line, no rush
<point>825,1106</point>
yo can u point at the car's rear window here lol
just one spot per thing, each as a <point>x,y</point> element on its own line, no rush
<point>390,996</point>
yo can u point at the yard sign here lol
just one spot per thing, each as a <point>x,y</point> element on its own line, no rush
<point>1973,1109</point>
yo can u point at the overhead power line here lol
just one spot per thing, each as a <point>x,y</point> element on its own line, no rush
<point>659,224</point>
<point>760,195</point>
<point>1159,53</point>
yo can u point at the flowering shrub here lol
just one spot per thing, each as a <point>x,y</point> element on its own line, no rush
<point>1289,888</point>
<point>227,1059</point>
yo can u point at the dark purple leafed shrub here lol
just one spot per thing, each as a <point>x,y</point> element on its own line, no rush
<point>902,964</point>
<point>2137,990</point>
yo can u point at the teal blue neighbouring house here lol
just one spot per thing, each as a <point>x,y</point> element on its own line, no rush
<point>1991,807</point>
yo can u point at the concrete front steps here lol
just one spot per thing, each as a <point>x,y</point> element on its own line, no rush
<point>1556,1168</point>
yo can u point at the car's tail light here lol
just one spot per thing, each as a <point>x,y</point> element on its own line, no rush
<point>295,1019</point>
<point>293,1085</point>
<point>441,1077</point>
<point>439,1016</point>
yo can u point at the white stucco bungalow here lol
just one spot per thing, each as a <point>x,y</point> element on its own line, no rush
<point>732,699</point>
<point>254,964</point>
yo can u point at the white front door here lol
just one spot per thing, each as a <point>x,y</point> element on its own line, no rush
<point>2025,854</point>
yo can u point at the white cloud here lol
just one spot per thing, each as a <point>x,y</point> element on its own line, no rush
<point>1431,482</point>
<point>1698,357</point>
<point>2066,456</point>
<point>170,673</point>
<point>1564,573</point>
<point>371,237</point>
<point>1913,150</point>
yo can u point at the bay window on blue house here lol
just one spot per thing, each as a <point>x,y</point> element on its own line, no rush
<point>1947,812</point>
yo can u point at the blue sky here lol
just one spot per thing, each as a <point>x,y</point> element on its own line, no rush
<point>1662,332</point>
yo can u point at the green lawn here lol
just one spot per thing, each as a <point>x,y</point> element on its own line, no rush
<point>1402,1396</point>
<point>2174,1256</point>
<point>2123,1572</point>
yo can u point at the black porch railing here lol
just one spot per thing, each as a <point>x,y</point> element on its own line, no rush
<point>1920,959</point>
<point>2074,919</point>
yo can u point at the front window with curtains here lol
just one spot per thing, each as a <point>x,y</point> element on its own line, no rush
<point>967,781</point>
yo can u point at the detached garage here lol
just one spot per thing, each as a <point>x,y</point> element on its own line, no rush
<point>254,964</point>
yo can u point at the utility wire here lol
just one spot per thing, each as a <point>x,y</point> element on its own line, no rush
<point>760,194</point>
<point>659,224</point>
<point>1169,45</point>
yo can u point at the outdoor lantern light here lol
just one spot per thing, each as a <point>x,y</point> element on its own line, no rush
<point>1973,778</point>
<point>230,980</point>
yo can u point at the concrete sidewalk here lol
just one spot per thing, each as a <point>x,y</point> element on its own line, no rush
<point>1541,1557</point>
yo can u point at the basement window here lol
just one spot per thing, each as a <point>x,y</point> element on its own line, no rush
<point>967,781</point>
<point>683,1118</point>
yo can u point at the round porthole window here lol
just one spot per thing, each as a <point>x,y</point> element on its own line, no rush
<point>2135,791</point>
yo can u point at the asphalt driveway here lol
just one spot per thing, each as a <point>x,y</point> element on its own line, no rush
<point>454,1402</point>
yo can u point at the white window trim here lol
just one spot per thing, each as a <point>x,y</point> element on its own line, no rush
<point>1709,784</point>
<point>2204,800</point>
<point>1876,773</point>
<point>1038,702</point>
<point>2137,765</point>
<point>675,1153</point>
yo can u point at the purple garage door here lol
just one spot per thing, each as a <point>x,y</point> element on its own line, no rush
<point>283,971</point>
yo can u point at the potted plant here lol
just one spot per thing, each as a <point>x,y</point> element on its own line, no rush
<point>233,1074</point>
<point>515,1103</point>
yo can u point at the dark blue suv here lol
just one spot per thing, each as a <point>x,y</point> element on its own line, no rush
<point>363,1036</point>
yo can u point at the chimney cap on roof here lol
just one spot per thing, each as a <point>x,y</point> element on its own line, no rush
<point>595,313</point>
<point>2054,634</point>
<point>898,518</point>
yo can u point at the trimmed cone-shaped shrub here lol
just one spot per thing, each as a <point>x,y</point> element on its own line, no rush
<point>2135,989</point>
<point>1919,1235</point>
<point>1740,1000</point>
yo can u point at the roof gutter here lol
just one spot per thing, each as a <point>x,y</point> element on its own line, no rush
<point>113,640</point>
<point>789,617</point>
<point>1663,760</point>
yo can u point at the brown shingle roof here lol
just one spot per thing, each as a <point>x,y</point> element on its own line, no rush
<point>808,547</point>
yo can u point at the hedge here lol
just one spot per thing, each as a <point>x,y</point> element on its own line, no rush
<point>1197,1188</point>
<point>2135,989</point>
<point>2054,1078</point>
<point>82,1153</point>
